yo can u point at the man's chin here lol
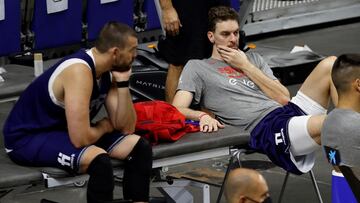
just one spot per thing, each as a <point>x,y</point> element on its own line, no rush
<point>121,68</point>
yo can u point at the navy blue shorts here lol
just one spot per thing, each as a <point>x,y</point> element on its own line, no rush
<point>54,149</point>
<point>270,136</point>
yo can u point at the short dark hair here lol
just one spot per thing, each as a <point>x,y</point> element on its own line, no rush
<point>113,34</point>
<point>345,70</point>
<point>221,13</point>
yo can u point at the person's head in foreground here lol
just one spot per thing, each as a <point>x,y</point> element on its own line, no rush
<point>346,78</point>
<point>246,186</point>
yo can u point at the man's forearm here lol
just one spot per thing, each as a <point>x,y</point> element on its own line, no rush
<point>270,87</point>
<point>190,113</point>
<point>125,112</point>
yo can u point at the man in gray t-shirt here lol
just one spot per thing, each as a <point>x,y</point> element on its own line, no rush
<point>240,89</point>
<point>252,102</point>
<point>341,129</point>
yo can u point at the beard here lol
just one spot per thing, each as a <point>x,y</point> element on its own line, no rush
<point>121,67</point>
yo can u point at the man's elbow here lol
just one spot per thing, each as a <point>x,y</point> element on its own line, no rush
<point>180,109</point>
<point>283,100</point>
<point>79,143</point>
<point>126,129</point>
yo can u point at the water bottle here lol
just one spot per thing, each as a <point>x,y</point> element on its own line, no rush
<point>38,64</point>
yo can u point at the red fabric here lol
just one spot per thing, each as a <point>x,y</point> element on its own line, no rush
<point>161,121</point>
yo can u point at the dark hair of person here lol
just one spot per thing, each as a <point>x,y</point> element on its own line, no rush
<point>345,70</point>
<point>219,14</point>
<point>113,34</point>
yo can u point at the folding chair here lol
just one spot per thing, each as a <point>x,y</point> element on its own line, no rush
<point>10,27</point>
<point>240,150</point>
<point>99,12</point>
<point>57,27</point>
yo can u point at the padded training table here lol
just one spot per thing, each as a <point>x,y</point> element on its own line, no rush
<point>191,147</point>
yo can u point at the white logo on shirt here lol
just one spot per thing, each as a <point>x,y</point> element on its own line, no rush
<point>248,83</point>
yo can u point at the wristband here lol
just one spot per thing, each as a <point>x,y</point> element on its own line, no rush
<point>202,114</point>
<point>122,84</point>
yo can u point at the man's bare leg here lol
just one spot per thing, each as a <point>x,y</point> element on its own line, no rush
<point>319,87</point>
<point>172,81</point>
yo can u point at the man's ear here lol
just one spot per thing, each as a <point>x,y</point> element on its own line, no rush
<point>242,199</point>
<point>211,37</point>
<point>114,52</point>
<point>357,84</point>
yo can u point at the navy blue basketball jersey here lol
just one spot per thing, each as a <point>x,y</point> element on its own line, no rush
<point>38,111</point>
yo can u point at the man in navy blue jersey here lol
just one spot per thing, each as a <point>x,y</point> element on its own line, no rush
<point>50,125</point>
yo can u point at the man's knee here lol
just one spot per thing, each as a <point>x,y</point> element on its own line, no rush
<point>142,152</point>
<point>140,158</point>
<point>88,156</point>
<point>328,62</point>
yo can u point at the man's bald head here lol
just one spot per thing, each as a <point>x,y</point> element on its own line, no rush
<point>244,182</point>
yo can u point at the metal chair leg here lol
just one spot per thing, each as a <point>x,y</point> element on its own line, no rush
<point>283,187</point>
<point>223,183</point>
<point>317,191</point>
<point>236,154</point>
<point>315,186</point>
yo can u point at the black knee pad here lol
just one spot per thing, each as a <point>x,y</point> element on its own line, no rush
<point>137,172</point>
<point>141,156</point>
<point>101,182</point>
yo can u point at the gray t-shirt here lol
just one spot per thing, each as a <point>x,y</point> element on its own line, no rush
<point>341,131</point>
<point>228,93</point>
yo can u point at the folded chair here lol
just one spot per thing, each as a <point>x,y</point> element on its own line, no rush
<point>153,19</point>
<point>56,23</point>
<point>99,12</point>
<point>10,27</point>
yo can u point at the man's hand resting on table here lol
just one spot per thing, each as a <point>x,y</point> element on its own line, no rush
<point>209,124</point>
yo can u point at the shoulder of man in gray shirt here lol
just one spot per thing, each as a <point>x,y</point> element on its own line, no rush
<point>341,131</point>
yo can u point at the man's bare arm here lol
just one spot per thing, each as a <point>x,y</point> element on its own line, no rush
<point>272,88</point>
<point>77,86</point>
<point>170,18</point>
<point>119,105</point>
<point>182,102</point>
